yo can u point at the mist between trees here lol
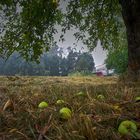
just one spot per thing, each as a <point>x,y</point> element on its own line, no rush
<point>52,63</point>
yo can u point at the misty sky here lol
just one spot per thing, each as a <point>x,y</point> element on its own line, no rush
<point>99,54</point>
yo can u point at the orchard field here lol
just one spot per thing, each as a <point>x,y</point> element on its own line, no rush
<point>96,113</point>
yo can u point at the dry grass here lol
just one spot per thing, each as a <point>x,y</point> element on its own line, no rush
<point>21,119</point>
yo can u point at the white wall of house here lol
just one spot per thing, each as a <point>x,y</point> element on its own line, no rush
<point>102,68</point>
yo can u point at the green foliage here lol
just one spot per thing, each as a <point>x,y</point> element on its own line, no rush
<point>72,59</point>
<point>85,62</point>
<point>79,63</point>
<point>117,59</point>
<point>64,67</point>
<point>100,19</point>
<point>30,25</point>
<point>51,64</point>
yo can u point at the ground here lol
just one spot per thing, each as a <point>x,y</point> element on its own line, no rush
<point>92,117</point>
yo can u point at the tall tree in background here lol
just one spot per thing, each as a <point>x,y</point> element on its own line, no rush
<point>52,63</point>
<point>117,59</point>
<point>29,29</point>
<point>72,59</point>
<point>85,63</point>
<point>64,67</point>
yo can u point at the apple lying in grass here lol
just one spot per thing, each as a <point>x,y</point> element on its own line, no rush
<point>80,94</point>
<point>60,102</point>
<point>65,113</point>
<point>43,105</point>
<point>137,99</point>
<point>127,127</point>
<point>101,97</point>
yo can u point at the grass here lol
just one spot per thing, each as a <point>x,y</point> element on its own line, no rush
<point>92,118</point>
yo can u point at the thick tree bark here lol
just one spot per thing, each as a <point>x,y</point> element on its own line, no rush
<point>131,16</point>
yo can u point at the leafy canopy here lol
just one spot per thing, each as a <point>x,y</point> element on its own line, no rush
<point>28,26</point>
<point>117,58</point>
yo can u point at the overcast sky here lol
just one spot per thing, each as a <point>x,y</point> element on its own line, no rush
<point>99,54</point>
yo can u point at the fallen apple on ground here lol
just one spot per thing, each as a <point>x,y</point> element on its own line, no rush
<point>101,97</point>
<point>127,127</point>
<point>43,104</point>
<point>65,113</point>
<point>80,94</point>
<point>60,102</point>
<point>137,99</point>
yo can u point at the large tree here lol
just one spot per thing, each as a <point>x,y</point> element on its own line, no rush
<point>131,16</point>
<point>29,25</point>
<point>85,63</point>
<point>72,59</point>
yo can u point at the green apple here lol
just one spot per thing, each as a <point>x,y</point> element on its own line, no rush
<point>137,99</point>
<point>127,127</point>
<point>101,97</point>
<point>43,105</point>
<point>60,102</point>
<point>80,94</point>
<point>65,113</point>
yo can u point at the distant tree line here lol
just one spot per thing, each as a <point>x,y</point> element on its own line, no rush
<point>53,63</point>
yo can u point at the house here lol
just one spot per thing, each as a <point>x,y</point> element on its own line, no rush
<point>101,70</point>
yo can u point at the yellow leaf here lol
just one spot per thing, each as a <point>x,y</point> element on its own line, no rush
<point>7,105</point>
<point>13,130</point>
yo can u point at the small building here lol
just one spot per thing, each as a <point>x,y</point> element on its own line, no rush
<point>101,70</point>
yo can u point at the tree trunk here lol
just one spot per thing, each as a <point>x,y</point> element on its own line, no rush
<point>131,16</point>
